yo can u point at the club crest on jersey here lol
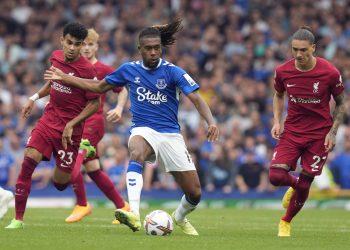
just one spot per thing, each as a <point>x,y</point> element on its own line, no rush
<point>316,87</point>
<point>161,84</point>
<point>137,80</point>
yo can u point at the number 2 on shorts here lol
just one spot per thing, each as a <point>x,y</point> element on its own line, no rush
<point>314,166</point>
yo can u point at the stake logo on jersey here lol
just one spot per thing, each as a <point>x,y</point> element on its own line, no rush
<point>154,93</point>
<point>155,99</point>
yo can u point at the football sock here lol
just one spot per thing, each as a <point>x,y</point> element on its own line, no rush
<point>23,185</point>
<point>105,184</point>
<point>299,197</point>
<point>77,166</point>
<point>281,177</point>
<point>79,190</point>
<point>185,207</point>
<point>134,183</point>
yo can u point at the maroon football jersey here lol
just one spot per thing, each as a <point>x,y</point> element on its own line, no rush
<point>67,102</point>
<point>102,70</point>
<point>308,95</point>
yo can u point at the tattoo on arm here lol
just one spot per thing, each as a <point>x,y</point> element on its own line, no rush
<point>339,111</point>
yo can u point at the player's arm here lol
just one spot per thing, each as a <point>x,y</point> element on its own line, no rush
<point>86,84</point>
<point>204,110</point>
<point>115,114</point>
<point>278,104</point>
<point>338,116</point>
<point>28,106</point>
<point>90,108</point>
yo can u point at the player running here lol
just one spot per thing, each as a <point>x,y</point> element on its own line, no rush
<point>154,87</point>
<point>59,130</point>
<point>309,130</point>
<point>93,133</point>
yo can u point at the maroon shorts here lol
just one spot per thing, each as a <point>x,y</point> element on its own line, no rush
<point>311,151</point>
<point>94,134</point>
<point>48,141</point>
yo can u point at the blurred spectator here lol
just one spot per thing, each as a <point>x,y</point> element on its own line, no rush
<point>7,168</point>
<point>340,165</point>
<point>251,174</point>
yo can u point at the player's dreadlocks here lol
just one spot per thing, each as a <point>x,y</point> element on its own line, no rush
<point>304,33</point>
<point>166,32</point>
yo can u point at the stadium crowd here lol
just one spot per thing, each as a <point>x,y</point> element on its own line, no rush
<point>229,47</point>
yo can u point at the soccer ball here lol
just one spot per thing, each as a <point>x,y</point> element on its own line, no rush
<point>158,223</point>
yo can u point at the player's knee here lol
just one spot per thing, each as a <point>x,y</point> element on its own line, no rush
<point>33,154</point>
<point>276,175</point>
<point>137,155</point>
<point>59,186</point>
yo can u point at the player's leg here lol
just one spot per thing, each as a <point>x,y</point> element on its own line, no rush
<point>190,185</point>
<point>31,159</point>
<point>284,160</point>
<point>312,160</point>
<point>105,184</point>
<point>60,178</point>
<point>139,150</point>
<point>82,207</point>
<point>5,198</point>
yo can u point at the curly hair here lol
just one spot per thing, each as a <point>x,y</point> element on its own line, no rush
<point>75,29</point>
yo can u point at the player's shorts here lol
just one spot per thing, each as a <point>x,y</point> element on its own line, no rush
<point>292,147</point>
<point>94,134</point>
<point>169,148</point>
<point>49,141</point>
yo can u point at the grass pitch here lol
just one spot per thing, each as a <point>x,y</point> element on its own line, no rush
<point>218,229</point>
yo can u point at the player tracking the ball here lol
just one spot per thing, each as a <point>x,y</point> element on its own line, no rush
<point>60,128</point>
<point>154,86</point>
<point>93,132</point>
<point>309,132</point>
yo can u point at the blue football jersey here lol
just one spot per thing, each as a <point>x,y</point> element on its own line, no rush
<point>154,93</point>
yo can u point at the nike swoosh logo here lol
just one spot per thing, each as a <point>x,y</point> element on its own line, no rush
<point>290,85</point>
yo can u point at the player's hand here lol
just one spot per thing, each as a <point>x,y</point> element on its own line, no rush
<point>67,136</point>
<point>329,142</point>
<point>53,74</point>
<point>27,108</point>
<point>276,131</point>
<point>213,133</point>
<point>115,114</point>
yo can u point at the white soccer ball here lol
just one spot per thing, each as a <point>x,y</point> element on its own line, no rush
<point>158,223</point>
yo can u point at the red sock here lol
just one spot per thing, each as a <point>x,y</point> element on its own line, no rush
<point>299,197</point>
<point>79,190</point>
<point>281,177</point>
<point>23,185</point>
<point>77,166</point>
<point>105,184</point>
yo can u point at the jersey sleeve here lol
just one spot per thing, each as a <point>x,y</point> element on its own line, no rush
<point>336,83</point>
<point>91,74</point>
<point>184,81</point>
<point>278,83</point>
<point>117,77</point>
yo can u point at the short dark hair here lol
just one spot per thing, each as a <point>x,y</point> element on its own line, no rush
<point>304,33</point>
<point>166,32</point>
<point>76,30</point>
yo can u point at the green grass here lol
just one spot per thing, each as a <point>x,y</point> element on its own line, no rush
<point>218,228</point>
